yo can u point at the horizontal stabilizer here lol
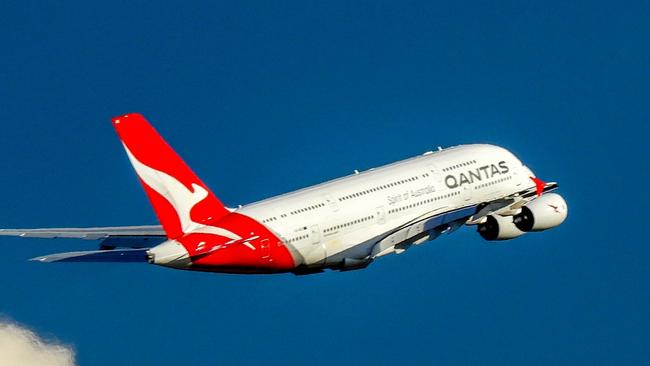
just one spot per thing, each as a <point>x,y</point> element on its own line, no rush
<point>118,255</point>
<point>139,241</point>
<point>94,233</point>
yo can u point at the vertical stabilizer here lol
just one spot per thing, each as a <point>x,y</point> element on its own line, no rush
<point>180,199</point>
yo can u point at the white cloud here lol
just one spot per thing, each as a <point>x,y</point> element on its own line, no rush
<point>22,347</point>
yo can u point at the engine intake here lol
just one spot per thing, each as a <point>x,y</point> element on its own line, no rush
<point>545,212</point>
<point>499,228</point>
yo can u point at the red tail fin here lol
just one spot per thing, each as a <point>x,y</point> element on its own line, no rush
<point>179,198</point>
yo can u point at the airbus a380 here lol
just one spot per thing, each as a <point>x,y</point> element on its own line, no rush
<point>344,224</point>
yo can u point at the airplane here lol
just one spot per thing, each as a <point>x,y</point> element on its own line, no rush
<point>343,224</point>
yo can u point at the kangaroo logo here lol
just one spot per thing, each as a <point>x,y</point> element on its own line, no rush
<point>179,196</point>
<point>555,208</point>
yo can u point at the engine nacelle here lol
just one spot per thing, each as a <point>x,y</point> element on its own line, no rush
<point>545,212</point>
<point>499,228</point>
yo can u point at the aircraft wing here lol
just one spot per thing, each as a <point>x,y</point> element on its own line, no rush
<point>117,236</point>
<point>423,228</point>
<point>512,203</point>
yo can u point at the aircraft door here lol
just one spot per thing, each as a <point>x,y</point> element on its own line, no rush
<point>380,213</point>
<point>467,193</point>
<point>435,173</point>
<point>332,203</point>
<point>317,252</point>
<point>515,176</point>
<point>265,248</point>
<point>315,235</point>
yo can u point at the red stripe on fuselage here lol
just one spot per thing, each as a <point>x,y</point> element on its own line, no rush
<point>259,250</point>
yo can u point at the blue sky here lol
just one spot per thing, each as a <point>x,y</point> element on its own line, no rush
<point>263,98</point>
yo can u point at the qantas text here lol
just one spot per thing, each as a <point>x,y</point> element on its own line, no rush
<point>478,174</point>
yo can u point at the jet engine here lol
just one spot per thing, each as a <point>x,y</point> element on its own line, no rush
<point>545,212</point>
<point>498,227</point>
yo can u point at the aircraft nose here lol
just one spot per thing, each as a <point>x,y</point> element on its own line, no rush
<point>170,253</point>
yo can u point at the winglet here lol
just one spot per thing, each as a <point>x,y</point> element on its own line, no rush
<point>179,198</point>
<point>539,185</point>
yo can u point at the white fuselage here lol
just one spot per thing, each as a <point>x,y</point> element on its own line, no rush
<point>346,217</point>
<point>343,224</point>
